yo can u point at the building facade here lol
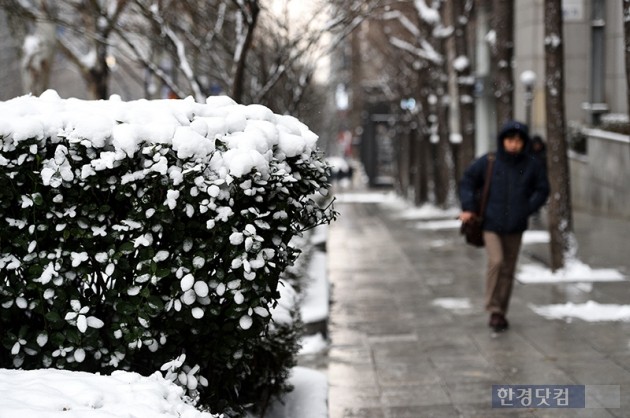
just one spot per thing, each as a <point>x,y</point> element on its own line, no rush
<point>594,66</point>
<point>595,91</point>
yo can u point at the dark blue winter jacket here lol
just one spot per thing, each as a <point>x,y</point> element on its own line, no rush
<point>518,185</point>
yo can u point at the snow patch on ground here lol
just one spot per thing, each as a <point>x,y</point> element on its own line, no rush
<point>535,237</point>
<point>315,305</point>
<point>453,303</point>
<point>439,224</point>
<point>590,311</point>
<point>365,198</point>
<point>308,398</point>
<point>313,344</point>
<point>575,271</point>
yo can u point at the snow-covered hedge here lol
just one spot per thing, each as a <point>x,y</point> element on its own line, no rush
<point>137,234</point>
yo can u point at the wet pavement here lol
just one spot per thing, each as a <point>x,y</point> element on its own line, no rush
<point>394,352</point>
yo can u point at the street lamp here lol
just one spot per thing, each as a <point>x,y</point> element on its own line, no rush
<point>528,78</point>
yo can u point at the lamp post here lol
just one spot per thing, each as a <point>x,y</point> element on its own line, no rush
<point>528,78</point>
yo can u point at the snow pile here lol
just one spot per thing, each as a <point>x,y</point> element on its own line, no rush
<point>63,394</point>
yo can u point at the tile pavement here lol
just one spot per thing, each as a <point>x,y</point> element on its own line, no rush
<point>394,354</point>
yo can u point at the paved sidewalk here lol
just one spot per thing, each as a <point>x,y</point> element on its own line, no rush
<point>394,353</point>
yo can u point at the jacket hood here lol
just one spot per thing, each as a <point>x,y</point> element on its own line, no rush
<point>511,127</point>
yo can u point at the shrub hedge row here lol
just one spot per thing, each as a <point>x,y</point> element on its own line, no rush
<point>152,235</point>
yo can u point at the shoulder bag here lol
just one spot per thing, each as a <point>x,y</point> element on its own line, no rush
<point>472,230</point>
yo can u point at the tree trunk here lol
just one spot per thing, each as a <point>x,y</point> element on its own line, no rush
<point>402,146</point>
<point>503,54</point>
<point>444,173</point>
<point>560,216</point>
<point>38,52</point>
<point>97,80</point>
<point>412,164</point>
<point>421,180</point>
<point>444,161</point>
<point>462,12</point>
<point>250,16</point>
<point>422,148</point>
<point>626,26</point>
<point>96,76</point>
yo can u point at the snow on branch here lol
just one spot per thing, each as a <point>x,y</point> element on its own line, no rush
<point>426,51</point>
<point>426,13</point>
<point>404,21</point>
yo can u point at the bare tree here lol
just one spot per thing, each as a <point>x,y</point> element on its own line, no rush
<point>284,58</point>
<point>82,32</point>
<point>502,50</point>
<point>179,48</point>
<point>245,49</point>
<point>186,47</point>
<point>560,215</point>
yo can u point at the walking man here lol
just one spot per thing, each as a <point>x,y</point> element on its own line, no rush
<point>518,188</point>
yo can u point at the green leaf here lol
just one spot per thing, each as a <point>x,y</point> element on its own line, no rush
<point>125,308</point>
<point>73,336</point>
<point>162,272</point>
<point>126,247</point>
<point>57,339</point>
<point>53,317</point>
<point>38,199</point>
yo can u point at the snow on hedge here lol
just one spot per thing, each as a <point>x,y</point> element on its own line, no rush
<point>250,132</point>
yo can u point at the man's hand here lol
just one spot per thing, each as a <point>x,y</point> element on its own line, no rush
<point>467,216</point>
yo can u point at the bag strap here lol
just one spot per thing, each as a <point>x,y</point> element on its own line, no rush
<point>486,186</point>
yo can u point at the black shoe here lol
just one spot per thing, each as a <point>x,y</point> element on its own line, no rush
<point>498,322</point>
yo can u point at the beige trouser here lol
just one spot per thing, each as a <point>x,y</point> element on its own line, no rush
<point>502,253</point>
